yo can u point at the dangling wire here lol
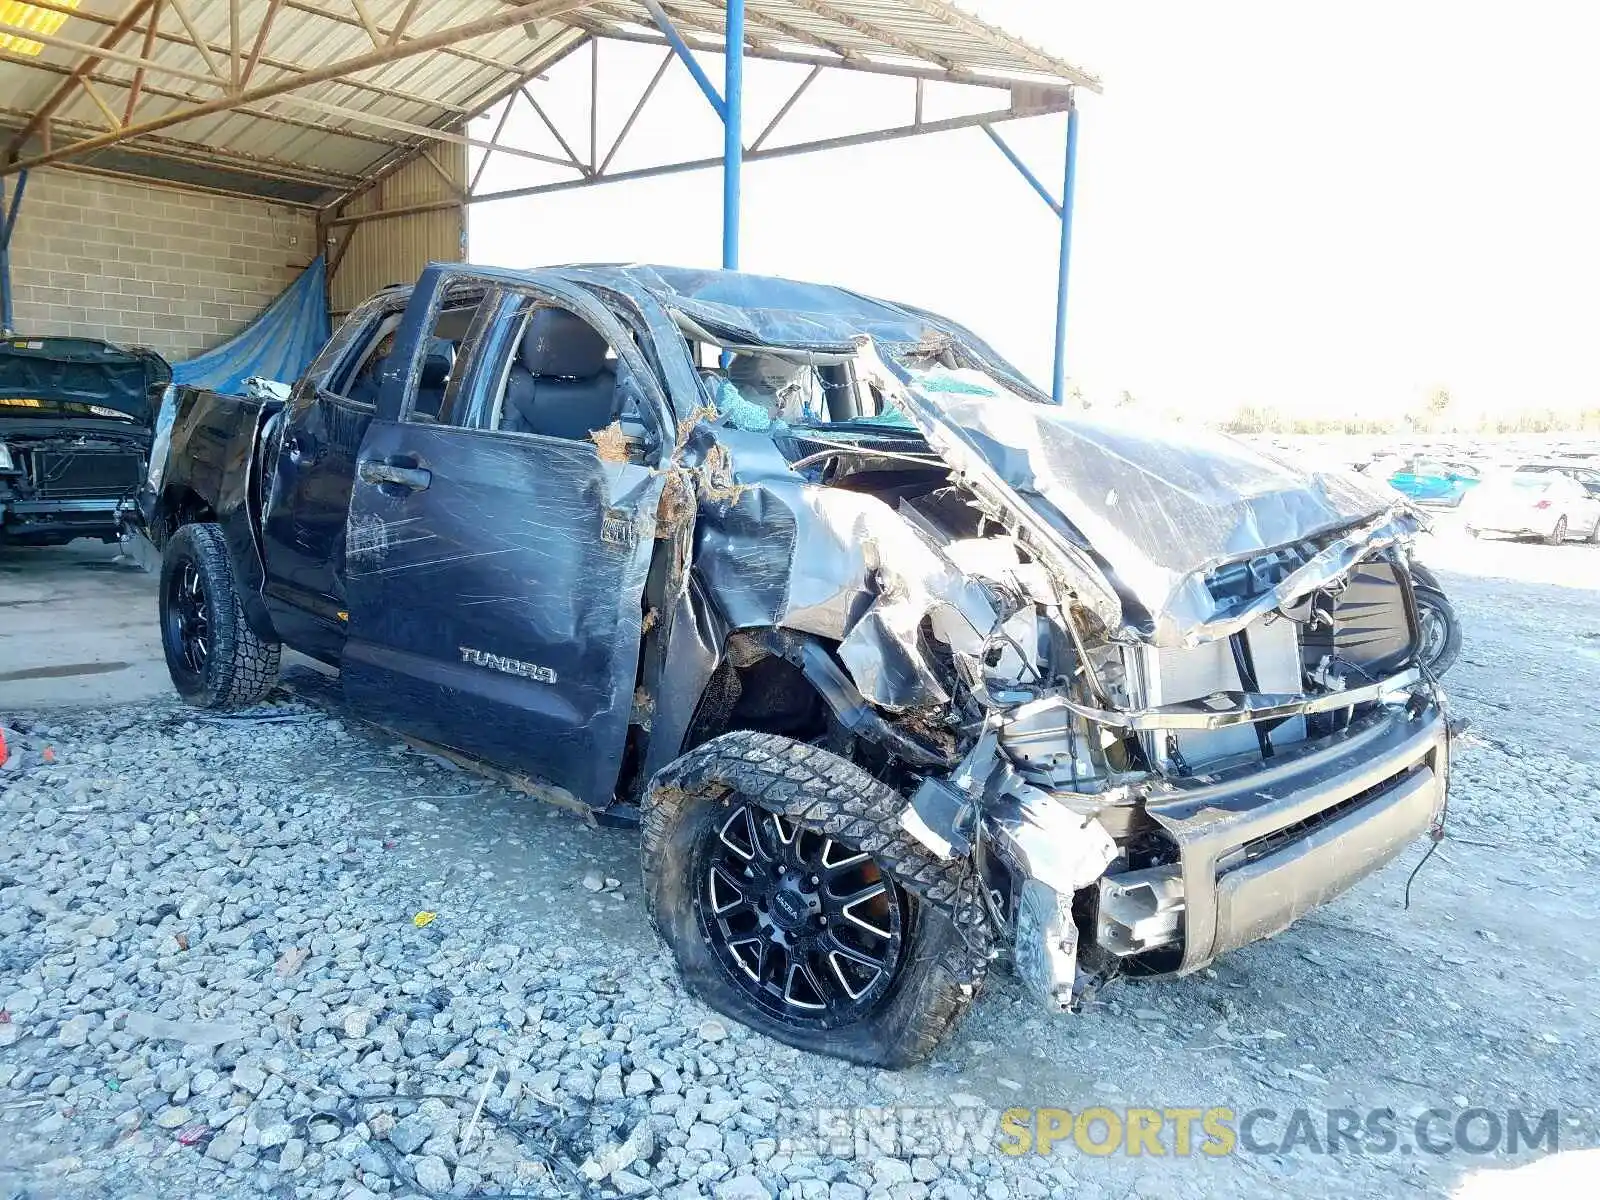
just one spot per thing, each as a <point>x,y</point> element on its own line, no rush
<point>1436,830</point>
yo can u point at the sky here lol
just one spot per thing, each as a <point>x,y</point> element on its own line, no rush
<point>1325,209</point>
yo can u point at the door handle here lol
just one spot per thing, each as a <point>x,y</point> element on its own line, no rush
<point>415,479</point>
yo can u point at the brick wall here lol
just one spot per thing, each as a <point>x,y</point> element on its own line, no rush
<point>136,264</point>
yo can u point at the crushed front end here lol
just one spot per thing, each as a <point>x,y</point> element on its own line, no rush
<point>1207,797</point>
<point>1155,693</point>
<point>76,421</point>
<point>1199,712</point>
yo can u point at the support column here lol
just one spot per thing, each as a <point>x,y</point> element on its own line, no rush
<point>8,225</point>
<point>732,134</point>
<point>1058,386</point>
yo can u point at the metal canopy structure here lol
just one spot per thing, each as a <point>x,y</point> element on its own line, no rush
<point>312,104</point>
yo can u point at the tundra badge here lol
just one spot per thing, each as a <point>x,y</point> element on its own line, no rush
<point>511,666</point>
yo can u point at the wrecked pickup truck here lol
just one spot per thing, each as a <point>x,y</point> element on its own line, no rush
<point>76,424</point>
<point>899,666</point>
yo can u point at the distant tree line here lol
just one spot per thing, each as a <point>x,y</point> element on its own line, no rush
<point>1437,414</point>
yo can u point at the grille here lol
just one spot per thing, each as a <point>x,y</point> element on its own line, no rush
<point>85,475</point>
<point>1280,838</point>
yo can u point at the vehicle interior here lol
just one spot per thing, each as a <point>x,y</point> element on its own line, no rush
<point>562,380</point>
<point>795,387</point>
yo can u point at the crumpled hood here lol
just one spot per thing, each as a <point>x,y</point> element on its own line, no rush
<point>1160,507</point>
<point>83,371</point>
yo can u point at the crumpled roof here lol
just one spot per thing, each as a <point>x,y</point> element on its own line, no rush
<point>1160,505</point>
<point>1157,507</point>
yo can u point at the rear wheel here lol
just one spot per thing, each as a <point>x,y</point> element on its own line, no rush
<point>214,657</point>
<point>1558,534</point>
<point>780,878</point>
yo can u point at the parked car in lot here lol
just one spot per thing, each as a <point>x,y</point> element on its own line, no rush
<point>1553,501</point>
<point>1427,480</point>
<point>76,421</point>
<point>896,663</point>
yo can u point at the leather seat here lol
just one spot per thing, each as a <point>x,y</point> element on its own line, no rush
<point>438,360</point>
<point>560,385</point>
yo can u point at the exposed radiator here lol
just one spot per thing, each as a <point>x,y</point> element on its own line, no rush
<point>86,475</point>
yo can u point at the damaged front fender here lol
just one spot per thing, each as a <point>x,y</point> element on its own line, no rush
<point>777,551</point>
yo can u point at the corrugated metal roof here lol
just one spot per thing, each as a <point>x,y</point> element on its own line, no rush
<point>324,138</point>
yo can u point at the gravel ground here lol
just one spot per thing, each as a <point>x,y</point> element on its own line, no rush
<point>218,973</point>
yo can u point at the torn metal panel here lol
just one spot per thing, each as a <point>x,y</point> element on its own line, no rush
<point>1161,508</point>
<point>777,550</point>
<point>1223,709</point>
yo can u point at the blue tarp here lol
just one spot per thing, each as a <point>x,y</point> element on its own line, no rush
<point>279,344</point>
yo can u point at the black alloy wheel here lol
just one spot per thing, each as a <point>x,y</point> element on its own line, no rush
<point>794,901</point>
<point>811,930</point>
<point>188,619</point>
<point>214,657</point>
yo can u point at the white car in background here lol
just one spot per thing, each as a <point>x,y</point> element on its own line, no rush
<point>1553,501</point>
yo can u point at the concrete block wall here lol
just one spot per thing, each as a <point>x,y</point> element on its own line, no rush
<point>138,264</point>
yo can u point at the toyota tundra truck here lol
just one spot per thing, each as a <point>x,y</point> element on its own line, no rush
<point>900,668</point>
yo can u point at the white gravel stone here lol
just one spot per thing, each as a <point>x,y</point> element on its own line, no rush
<point>74,1033</point>
<point>704,1137</point>
<point>742,1187</point>
<point>433,1174</point>
<point>173,1117</point>
<point>411,1132</point>
<point>103,926</point>
<point>293,1154</point>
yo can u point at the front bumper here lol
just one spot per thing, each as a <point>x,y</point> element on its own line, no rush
<point>1261,846</point>
<point>64,519</point>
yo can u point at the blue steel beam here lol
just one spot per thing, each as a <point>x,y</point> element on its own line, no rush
<point>732,135</point>
<point>6,229</point>
<point>1022,168</point>
<point>681,49</point>
<point>729,106</point>
<point>1058,384</point>
<point>1063,211</point>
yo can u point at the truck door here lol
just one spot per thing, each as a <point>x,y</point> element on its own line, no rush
<point>496,557</point>
<point>307,491</point>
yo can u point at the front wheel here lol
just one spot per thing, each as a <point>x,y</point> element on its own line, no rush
<point>779,876</point>
<point>1441,630</point>
<point>214,657</point>
<point>1558,534</point>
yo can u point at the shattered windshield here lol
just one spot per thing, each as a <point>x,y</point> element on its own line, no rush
<point>771,391</point>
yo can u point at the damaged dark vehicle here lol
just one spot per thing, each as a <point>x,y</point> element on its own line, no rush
<point>77,419</point>
<point>900,667</point>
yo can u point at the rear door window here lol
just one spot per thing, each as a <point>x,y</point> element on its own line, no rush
<point>437,374</point>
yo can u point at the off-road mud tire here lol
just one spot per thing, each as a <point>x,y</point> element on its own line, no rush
<point>241,668</point>
<point>949,944</point>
